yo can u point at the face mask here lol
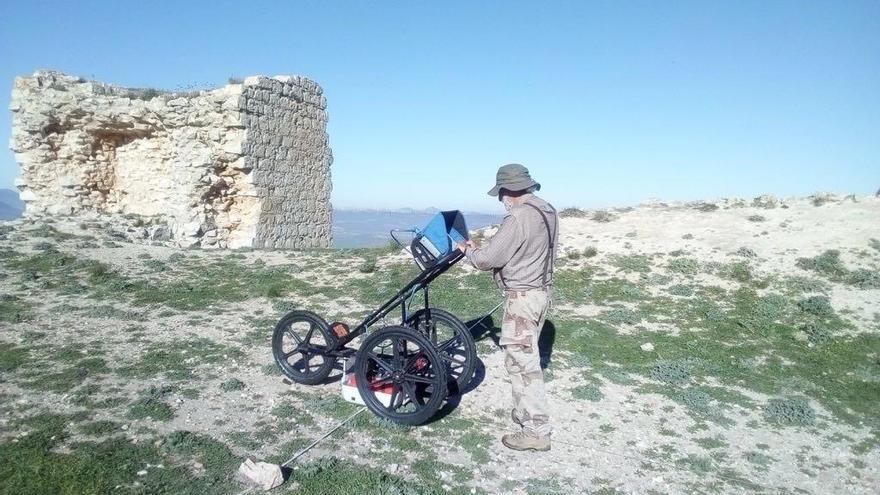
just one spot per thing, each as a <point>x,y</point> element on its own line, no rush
<point>506,202</point>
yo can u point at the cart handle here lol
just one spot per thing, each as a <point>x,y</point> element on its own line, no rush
<point>413,231</point>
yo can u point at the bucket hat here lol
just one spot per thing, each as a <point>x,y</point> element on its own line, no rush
<point>513,177</point>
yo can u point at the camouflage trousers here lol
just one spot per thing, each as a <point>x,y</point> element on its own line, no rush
<point>524,314</point>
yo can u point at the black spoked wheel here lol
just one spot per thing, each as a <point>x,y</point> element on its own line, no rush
<point>300,344</point>
<point>452,340</point>
<point>400,376</point>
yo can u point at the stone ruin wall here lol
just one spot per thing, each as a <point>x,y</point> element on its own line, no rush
<point>245,165</point>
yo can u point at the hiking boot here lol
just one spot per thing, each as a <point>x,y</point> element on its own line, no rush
<point>525,440</point>
<point>514,417</point>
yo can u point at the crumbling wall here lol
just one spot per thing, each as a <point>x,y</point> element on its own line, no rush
<point>243,165</point>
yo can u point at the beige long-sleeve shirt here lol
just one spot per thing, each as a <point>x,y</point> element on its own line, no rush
<point>518,253</point>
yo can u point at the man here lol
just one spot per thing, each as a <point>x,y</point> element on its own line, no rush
<point>521,256</point>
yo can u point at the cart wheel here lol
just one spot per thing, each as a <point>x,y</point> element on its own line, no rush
<point>300,344</point>
<point>453,341</point>
<point>400,376</point>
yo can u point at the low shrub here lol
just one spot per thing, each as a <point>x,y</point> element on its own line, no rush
<point>150,405</point>
<point>864,279</point>
<point>789,411</point>
<point>740,271</point>
<point>816,333</point>
<point>231,385</point>
<point>695,400</point>
<point>44,246</point>
<point>14,309</point>
<point>368,266</point>
<point>216,458</point>
<point>821,199</point>
<point>805,285</point>
<point>816,305</point>
<point>828,263</point>
<point>621,316</point>
<point>681,290</point>
<point>746,253</point>
<point>572,213</point>
<point>587,392</point>
<point>674,372</point>
<point>602,216</point>
<point>632,263</point>
<point>686,266</point>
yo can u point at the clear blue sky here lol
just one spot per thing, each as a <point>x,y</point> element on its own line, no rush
<point>608,103</point>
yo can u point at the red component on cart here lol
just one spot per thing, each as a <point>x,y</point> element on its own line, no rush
<point>350,392</point>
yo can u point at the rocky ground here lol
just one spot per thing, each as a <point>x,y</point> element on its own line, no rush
<point>713,347</point>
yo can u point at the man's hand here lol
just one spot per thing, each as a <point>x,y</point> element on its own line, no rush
<point>463,246</point>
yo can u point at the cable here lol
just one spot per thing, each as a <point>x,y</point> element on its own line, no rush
<point>322,437</point>
<point>480,320</point>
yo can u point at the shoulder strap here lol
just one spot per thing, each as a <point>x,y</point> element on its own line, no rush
<point>550,243</point>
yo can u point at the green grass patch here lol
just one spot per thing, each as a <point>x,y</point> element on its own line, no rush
<point>49,232</point>
<point>66,378</point>
<point>178,359</point>
<point>92,468</point>
<point>637,263</point>
<point>709,443</point>
<point>830,266</point>
<point>620,316</point>
<point>195,285</point>
<point>684,266</point>
<point>14,309</point>
<point>99,428</point>
<point>232,385</point>
<point>477,444</point>
<point>152,405</point>
<point>328,405</point>
<point>428,469</point>
<point>12,356</point>
<point>587,392</point>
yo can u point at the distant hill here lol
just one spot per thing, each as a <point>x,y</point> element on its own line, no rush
<point>369,228</point>
<point>10,205</point>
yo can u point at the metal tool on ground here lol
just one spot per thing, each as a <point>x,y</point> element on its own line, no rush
<point>247,463</point>
<point>404,372</point>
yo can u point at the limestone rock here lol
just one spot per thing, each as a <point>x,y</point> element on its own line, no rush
<point>262,474</point>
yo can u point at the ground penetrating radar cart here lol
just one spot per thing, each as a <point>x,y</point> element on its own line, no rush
<point>404,372</point>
